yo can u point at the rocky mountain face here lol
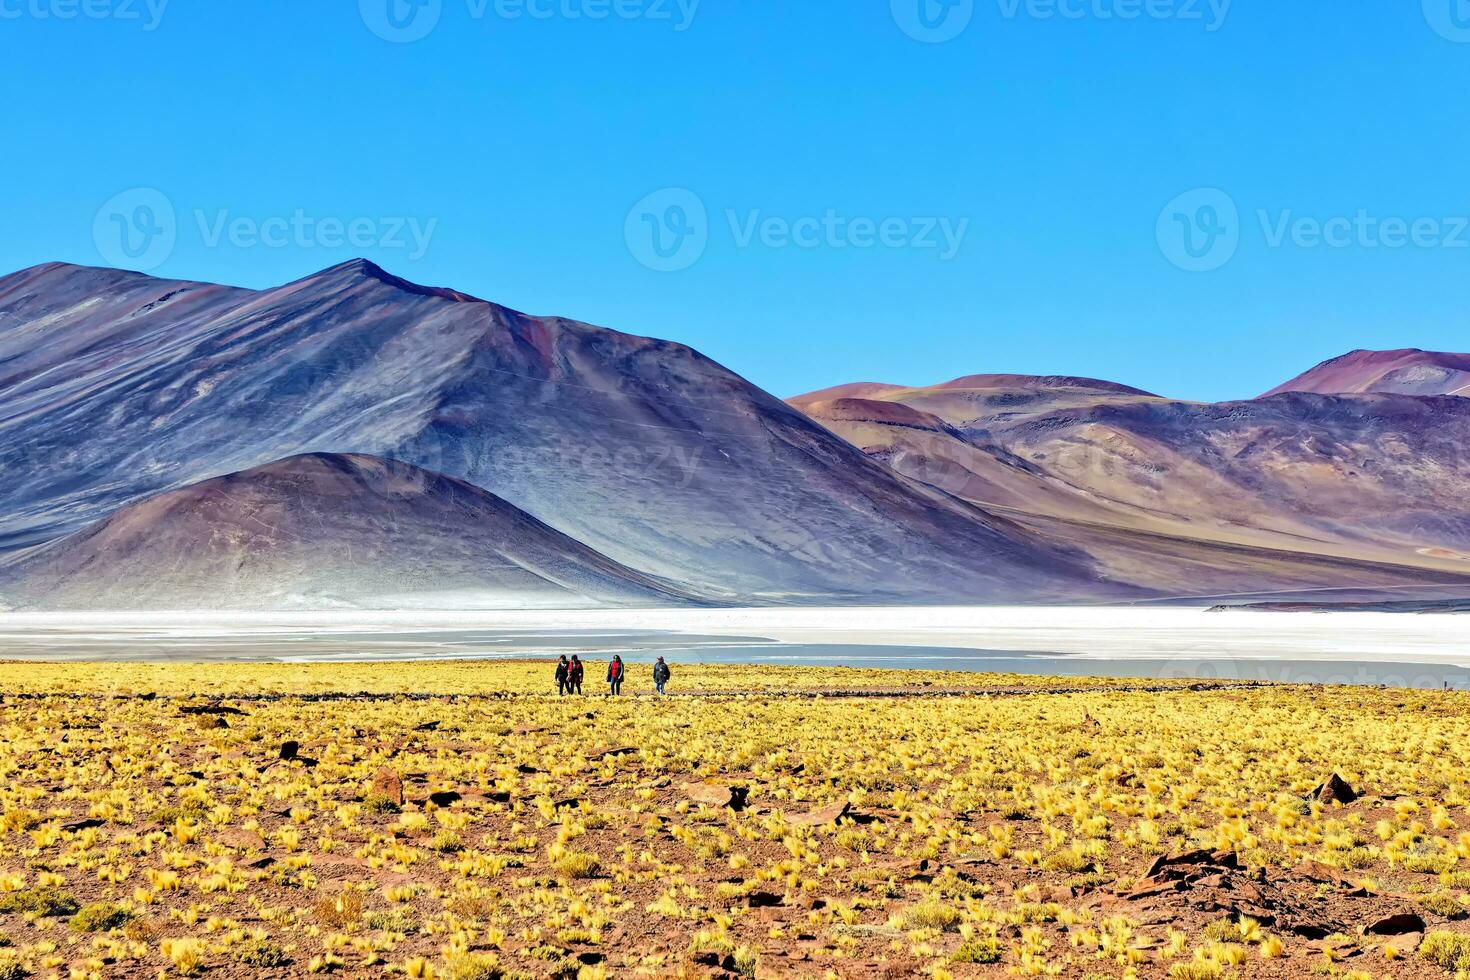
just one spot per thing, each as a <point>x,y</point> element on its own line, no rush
<point>116,387</point>
<point>355,438</point>
<point>1288,491</point>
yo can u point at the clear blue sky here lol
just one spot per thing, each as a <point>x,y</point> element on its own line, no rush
<point>528,139</point>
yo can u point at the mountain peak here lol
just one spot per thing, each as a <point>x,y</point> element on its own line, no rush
<point>1041,381</point>
<point>1406,371</point>
<point>361,268</point>
<point>879,390</point>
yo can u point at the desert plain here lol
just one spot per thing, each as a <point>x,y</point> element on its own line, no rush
<point>459,819</point>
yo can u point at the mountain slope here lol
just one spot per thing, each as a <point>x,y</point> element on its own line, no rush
<point>1399,372</point>
<point>642,449</point>
<point>323,530</point>
<point>1293,491</point>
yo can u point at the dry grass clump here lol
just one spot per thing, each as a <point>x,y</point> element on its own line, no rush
<point>1450,950</point>
<point>38,901</point>
<point>100,917</point>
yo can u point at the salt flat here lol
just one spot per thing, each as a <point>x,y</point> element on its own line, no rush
<point>1410,650</point>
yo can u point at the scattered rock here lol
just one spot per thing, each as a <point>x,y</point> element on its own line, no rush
<point>1324,874</point>
<point>288,751</point>
<point>209,709</point>
<point>822,815</point>
<point>601,754</point>
<point>243,840</point>
<point>389,784</point>
<point>718,795</point>
<point>1224,859</point>
<point>1215,882</point>
<point>72,828</point>
<point>1396,924</point>
<point>1335,790</point>
<point>445,798</point>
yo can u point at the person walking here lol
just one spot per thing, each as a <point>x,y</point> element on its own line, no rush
<point>615,675</point>
<point>561,675</point>
<point>660,675</point>
<point>575,672</point>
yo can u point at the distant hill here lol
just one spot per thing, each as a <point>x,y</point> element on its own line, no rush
<point>1282,493</point>
<point>324,530</point>
<point>1398,372</point>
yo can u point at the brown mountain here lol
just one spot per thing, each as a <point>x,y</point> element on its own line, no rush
<point>1398,372</point>
<point>1289,492</point>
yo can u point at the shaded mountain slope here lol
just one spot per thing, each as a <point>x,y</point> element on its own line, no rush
<point>642,449</point>
<point>323,530</point>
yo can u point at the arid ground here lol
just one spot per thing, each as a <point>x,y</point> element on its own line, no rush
<point>460,820</point>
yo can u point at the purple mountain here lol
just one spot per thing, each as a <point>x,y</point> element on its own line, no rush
<point>324,530</point>
<point>116,387</point>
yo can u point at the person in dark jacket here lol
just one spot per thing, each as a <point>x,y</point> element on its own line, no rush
<point>660,675</point>
<point>561,675</point>
<point>615,675</point>
<point>575,672</point>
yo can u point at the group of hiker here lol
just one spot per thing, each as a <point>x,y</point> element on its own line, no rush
<point>571,673</point>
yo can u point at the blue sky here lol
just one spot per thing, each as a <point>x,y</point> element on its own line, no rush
<point>801,163</point>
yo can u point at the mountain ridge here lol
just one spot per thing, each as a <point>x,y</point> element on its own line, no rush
<point>642,449</point>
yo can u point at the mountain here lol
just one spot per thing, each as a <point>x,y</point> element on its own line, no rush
<point>324,530</point>
<point>1399,372</point>
<point>970,383</point>
<point>115,387</point>
<point>1289,492</point>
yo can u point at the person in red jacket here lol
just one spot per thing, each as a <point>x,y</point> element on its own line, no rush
<point>615,673</point>
<point>575,672</point>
